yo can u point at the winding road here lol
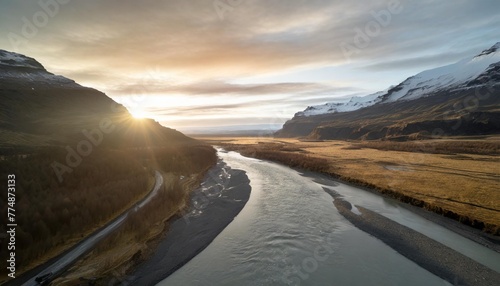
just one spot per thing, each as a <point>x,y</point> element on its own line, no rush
<point>66,259</point>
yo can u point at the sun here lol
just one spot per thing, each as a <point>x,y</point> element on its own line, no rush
<point>137,114</point>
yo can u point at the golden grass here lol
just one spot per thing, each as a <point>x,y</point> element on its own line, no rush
<point>466,184</point>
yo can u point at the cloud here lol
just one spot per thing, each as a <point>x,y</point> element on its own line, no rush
<point>208,88</point>
<point>419,62</point>
<point>188,37</point>
<point>201,109</point>
<point>110,44</point>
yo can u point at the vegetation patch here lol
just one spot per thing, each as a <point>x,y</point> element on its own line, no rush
<point>449,147</point>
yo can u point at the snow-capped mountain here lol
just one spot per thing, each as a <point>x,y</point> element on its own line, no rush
<point>460,99</point>
<point>19,68</point>
<point>467,73</point>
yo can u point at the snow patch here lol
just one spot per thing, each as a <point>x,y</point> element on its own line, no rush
<point>354,103</point>
<point>15,67</point>
<point>17,60</point>
<point>446,77</point>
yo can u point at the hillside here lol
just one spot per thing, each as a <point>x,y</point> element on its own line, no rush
<point>38,108</point>
<point>80,159</point>
<point>458,99</point>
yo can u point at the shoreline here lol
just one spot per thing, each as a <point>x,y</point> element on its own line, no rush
<point>364,165</point>
<point>433,256</point>
<point>214,205</point>
<point>485,239</point>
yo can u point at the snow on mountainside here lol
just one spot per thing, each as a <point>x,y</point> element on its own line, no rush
<point>463,74</point>
<point>17,60</point>
<point>19,68</point>
<point>354,103</point>
<point>451,76</point>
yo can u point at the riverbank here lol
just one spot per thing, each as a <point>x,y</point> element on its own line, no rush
<point>458,186</point>
<point>222,195</point>
<point>429,254</point>
<point>476,235</point>
<point>289,232</point>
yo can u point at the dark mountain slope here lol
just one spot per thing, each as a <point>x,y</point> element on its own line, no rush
<point>38,108</point>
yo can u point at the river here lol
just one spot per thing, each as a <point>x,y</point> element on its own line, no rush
<point>289,233</point>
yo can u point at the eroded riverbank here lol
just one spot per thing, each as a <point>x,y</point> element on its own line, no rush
<point>222,195</point>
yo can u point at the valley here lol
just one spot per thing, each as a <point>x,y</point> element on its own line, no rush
<point>250,143</point>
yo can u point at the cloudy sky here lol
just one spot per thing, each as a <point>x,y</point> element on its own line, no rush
<point>197,63</point>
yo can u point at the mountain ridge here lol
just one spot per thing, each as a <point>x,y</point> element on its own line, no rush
<point>457,99</point>
<point>20,69</point>
<point>39,108</point>
<point>456,75</point>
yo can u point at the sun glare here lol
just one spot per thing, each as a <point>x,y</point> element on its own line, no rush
<point>138,114</point>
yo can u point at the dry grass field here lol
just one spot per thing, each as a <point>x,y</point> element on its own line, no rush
<point>457,178</point>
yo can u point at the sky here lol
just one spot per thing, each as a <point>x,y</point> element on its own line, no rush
<point>220,64</point>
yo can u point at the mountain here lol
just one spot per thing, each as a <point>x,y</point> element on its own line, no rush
<point>38,108</point>
<point>80,160</point>
<point>454,76</point>
<point>457,99</point>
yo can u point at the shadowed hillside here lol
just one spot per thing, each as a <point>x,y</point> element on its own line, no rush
<point>79,158</point>
<point>437,115</point>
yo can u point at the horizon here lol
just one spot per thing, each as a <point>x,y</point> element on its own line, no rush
<point>211,65</point>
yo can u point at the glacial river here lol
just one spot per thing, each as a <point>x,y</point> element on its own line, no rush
<point>290,233</point>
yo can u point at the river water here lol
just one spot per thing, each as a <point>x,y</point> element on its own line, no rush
<point>289,233</point>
